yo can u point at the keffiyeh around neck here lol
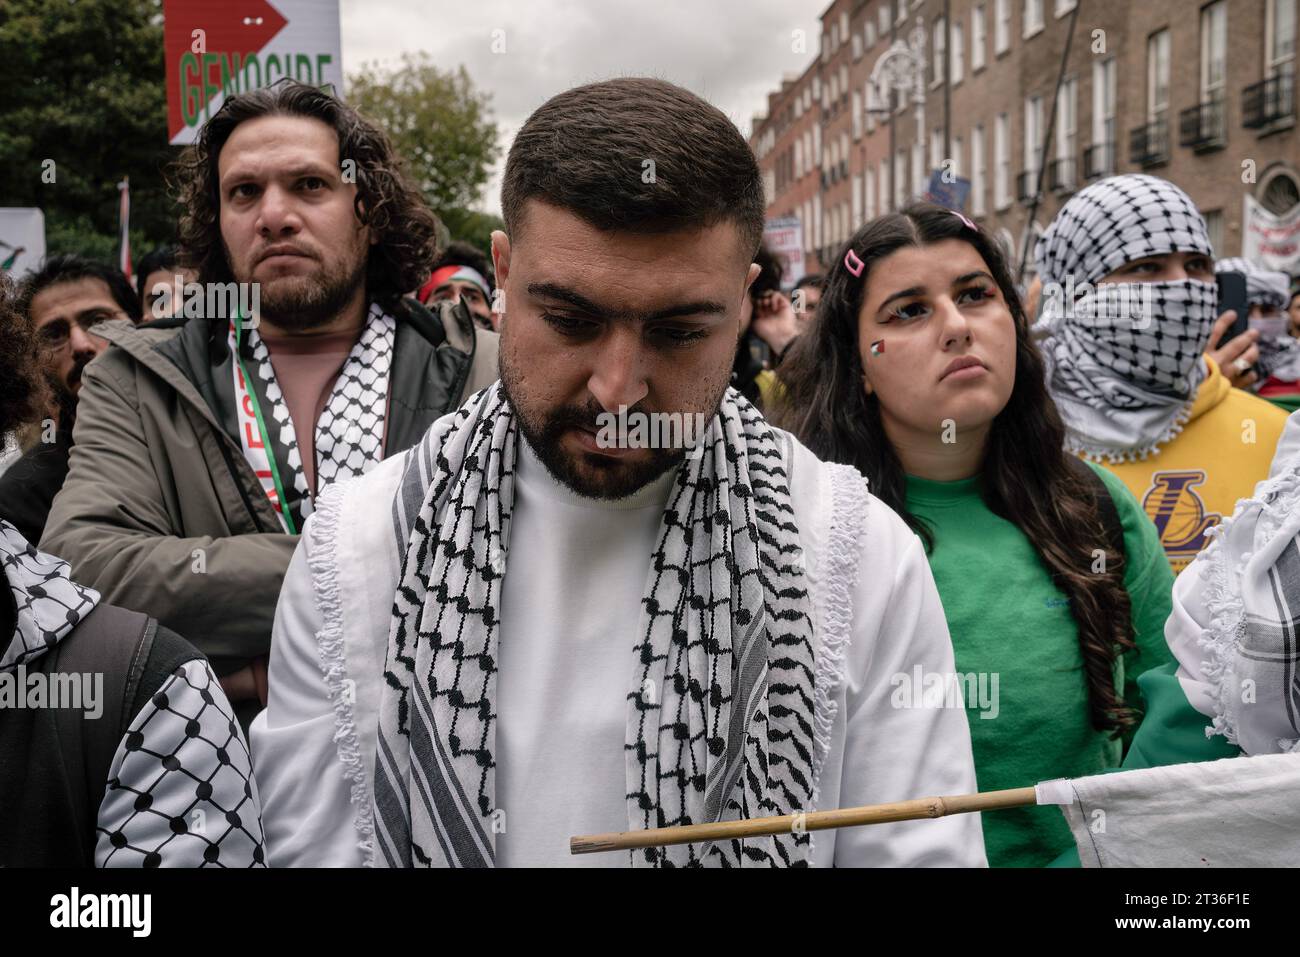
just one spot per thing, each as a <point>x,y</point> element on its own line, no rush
<point>49,604</point>
<point>1123,360</point>
<point>720,662</point>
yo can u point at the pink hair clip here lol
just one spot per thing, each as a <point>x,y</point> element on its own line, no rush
<point>967,222</point>
<point>852,263</point>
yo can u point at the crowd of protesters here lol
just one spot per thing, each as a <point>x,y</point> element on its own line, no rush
<point>361,515</point>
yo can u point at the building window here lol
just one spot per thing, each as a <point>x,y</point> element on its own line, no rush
<point>940,51</point>
<point>869,35</point>
<point>1101,161</point>
<point>1033,17</point>
<point>1214,227</point>
<point>1002,162</point>
<point>884,20</point>
<point>977,170</point>
<point>882,184</point>
<point>1157,75</point>
<point>978,38</point>
<point>1214,50</point>
<point>958,52</point>
<point>1001,26</point>
<point>1033,134</point>
<point>1279,37</point>
<point>1062,7</point>
<point>936,148</point>
<point>857,197</point>
<point>1067,134</point>
<point>857,47</point>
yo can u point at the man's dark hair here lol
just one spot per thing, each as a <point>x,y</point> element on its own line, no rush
<point>69,267</point>
<point>161,257</point>
<point>24,392</point>
<point>589,149</point>
<point>404,226</point>
<point>814,279</point>
<point>460,253</point>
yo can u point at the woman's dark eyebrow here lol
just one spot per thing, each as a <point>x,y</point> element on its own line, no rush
<point>967,277</point>
<point>902,294</point>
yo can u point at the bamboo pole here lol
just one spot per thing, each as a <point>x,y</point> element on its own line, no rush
<point>912,810</point>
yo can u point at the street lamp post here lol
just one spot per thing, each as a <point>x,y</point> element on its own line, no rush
<point>901,68</point>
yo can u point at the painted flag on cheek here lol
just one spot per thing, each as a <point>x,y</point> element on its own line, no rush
<point>878,348</point>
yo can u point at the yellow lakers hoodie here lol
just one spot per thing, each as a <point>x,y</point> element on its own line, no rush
<point>1194,481</point>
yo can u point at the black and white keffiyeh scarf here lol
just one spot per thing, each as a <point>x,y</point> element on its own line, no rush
<point>49,604</point>
<point>349,434</point>
<point>1251,643</point>
<point>1124,360</point>
<point>720,721</point>
<point>1279,353</point>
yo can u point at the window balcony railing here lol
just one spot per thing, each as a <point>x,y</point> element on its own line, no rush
<point>1268,101</point>
<point>1099,161</point>
<point>1026,184</point>
<point>1201,127</point>
<point>1149,144</point>
<point>1061,175</point>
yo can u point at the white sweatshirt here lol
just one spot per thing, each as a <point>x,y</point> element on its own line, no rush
<point>571,597</point>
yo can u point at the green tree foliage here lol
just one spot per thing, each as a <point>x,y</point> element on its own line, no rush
<point>443,128</point>
<point>83,85</point>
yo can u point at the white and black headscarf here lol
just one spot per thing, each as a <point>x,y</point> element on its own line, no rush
<point>721,664</point>
<point>1124,361</point>
<point>1279,355</point>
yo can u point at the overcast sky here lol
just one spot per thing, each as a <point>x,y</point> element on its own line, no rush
<point>731,52</point>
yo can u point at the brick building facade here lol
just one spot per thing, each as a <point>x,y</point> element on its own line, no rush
<point>1201,93</point>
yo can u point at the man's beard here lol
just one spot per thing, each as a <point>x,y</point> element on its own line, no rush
<point>310,302</point>
<point>612,478</point>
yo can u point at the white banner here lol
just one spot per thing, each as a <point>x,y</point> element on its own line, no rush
<point>22,239</point>
<point>1271,240</point>
<point>784,239</point>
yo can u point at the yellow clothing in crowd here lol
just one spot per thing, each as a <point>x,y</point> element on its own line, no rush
<point>1194,481</point>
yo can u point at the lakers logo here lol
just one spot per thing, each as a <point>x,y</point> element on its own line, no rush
<point>1179,514</point>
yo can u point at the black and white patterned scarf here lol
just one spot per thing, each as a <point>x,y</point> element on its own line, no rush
<point>349,434</point>
<point>49,604</point>
<point>720,720</point>
<point>1124,360</point>
<point>1250,577</point>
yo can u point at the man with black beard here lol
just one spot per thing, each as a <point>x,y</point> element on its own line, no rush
<point>205,440</point>
<point>61,302</point>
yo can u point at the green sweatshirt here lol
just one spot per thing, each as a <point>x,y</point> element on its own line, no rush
<point>1012,625</point>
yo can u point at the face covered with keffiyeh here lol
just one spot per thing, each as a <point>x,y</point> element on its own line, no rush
<point>594,329</point>
<point>1128,304</point>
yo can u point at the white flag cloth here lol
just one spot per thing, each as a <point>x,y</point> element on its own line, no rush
<point>1237,812</point>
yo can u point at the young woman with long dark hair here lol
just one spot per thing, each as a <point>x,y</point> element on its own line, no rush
<point>920,371</point>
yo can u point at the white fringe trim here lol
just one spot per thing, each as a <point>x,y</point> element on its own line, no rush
<point>849,504</point>
<point>323,530</point>
<point>1107,455</point>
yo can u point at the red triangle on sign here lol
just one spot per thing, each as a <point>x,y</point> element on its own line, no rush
<point>232,29</point>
